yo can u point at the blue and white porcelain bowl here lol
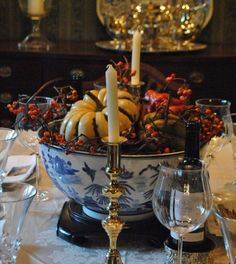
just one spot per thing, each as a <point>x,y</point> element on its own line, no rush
<point>81,176</point>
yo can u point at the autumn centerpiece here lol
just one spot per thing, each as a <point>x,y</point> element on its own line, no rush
<point>74,153</point>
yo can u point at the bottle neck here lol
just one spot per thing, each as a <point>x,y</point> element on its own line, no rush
<point>192,144</point>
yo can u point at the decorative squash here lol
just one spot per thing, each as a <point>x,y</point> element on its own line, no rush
<point>89,116</point>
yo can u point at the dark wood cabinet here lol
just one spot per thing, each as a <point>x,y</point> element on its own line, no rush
<point>210,72</point>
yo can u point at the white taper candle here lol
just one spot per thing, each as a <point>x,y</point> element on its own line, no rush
<point>112,105</point>
<point>135,63</point>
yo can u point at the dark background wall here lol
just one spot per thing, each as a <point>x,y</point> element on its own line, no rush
<point>77,20</point>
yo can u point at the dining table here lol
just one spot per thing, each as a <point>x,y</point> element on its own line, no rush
<point>41,245</point>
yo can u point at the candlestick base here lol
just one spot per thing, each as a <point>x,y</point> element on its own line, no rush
<point>35,42</point>
<point>113,257</point>
<point>76,227</point>
<point>121,140</point>
<point>36,11</point>
<point>136,90</point>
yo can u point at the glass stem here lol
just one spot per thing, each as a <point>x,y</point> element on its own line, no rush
<point>180,249</point>
<point>2,177</point>
<point>37,175</point>
<point>1,182</point>
<point>227,241</point>
<point>36,27</point>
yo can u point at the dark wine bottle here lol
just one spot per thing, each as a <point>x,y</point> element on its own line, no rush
<point>196,241</point>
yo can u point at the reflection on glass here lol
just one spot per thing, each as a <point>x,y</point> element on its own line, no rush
<point>182,200</point>
<point>7,138</point>
<point>28,134</point>
<point>166,25</point>
<point>117,20</point>
<point>188,19</point>
<point>218,109</point>
<point>15,200</point>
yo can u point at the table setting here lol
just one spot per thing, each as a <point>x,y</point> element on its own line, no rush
<point>118,173</point>
<point>40,243</point>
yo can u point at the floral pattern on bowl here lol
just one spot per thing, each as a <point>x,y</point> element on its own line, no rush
<point>81,176</point>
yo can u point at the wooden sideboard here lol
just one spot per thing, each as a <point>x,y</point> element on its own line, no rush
<point>210,72</point>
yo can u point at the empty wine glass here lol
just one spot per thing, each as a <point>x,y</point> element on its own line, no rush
<point>182,200</point>
<point>189,17</point>
<point>153,19</point>
<point>117,19</point>
<point>218,109</point>
<point>7,138</point>
<point>15,200</point>
<point>230,121</point>
<point>28,134</point>
<point>225,197</point>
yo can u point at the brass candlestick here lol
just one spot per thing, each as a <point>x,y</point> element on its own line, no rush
<point>135,90</point>
<point>113,224</point>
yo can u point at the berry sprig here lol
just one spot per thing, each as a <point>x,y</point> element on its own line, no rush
<point>32,115</point>
<point>211,124</point>
<point>130,133</point>
<point>123,72</point>
<point>183,92</point>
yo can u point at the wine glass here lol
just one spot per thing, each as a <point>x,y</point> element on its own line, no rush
<point>188,20</point>
<point>36,10</point>
<point>225,211</point>
<point>182,200</point>
<point>7,138</point>
<point>15,200</point>
<point>217,109</point>
<point>231,131</point>
<point>152,18</point>
<point>225,194</point>
<point>28,134</point>
<point>117,20</point>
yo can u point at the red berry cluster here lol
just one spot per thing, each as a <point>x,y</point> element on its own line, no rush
<point>170,78</point>
<point>184,93</point>
<point>72,95</point>
<point>83,143</point>
<point>30,113</point>
<point>51,137</point>
<point>153,133</point>
<point>13,108</point>
<point>123,72</point>
<point>130,133</point>
<point>211,124</point>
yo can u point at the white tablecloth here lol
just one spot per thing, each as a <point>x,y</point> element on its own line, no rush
<point>40,244</point>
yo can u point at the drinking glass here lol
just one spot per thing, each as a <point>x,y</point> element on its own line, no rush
<point>231,130</point>
<point>153,19</point>
<point>35,10</point>
<point>225,197</point>
<point>189,17</point>
<point>117,20</point>
<point>15,200</point>
<point>219,109</point>
<point>7,138</point>
<point>182,200</point>
<point>28,135</point>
